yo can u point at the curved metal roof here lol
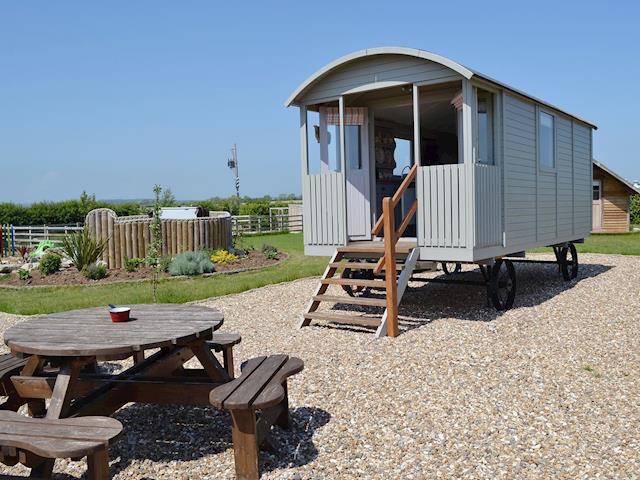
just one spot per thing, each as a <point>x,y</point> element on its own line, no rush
<point>413,52</point>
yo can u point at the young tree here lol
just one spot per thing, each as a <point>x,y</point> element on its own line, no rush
<point>155,249</point>
<point>167,199</point>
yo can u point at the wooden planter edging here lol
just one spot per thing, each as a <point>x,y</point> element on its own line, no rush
<point>130,237</point>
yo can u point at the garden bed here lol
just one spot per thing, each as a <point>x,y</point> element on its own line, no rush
<point>253,261</point>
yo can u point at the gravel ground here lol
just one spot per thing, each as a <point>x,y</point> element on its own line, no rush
<point>549,389</point>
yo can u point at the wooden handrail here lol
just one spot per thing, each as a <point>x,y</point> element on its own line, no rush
<point>396,197</point>
<point>391,237</point>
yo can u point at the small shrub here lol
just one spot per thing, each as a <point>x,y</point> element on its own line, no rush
<point>191,263</point>
<point>50,263</point>
<point>95,271</point>
<point>132,264</point>
<point>164,262</point>
<point>271,255</point>
<point>82,249</point>
<point>270,252</point>
<point>223,256</point>
<point>23,250</point>
<point>24,274</point>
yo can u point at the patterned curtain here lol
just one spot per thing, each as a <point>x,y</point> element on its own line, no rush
<point>352,115</point>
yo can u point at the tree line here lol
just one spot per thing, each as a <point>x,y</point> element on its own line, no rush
<point>74,211</point>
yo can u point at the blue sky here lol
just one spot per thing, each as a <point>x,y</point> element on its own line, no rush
<point>112,97</point>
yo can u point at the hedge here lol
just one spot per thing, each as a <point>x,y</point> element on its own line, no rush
<point>634,210</point>
<point>55,213</point>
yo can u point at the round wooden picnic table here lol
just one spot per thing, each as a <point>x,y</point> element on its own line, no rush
<point>90,332</point>
<point>73,342</point>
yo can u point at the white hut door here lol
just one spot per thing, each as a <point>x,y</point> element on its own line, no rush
<point>358,180</point>
<point>596,209</point>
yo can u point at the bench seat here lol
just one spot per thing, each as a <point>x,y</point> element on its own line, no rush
<point>261,386</point>
<point>60,438</point>
<point>9,365</point>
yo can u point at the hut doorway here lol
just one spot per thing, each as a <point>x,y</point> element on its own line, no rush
<point>596,209</point>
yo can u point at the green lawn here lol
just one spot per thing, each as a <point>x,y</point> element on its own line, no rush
<point>620,243</point>
<point>31,301</point>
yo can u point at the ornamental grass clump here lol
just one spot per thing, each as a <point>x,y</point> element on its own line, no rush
<point>191,263</point>
<point>83,249</point>
<point>96,271</point>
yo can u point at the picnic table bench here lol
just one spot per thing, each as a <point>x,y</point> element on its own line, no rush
<point>261,386</point>
<point>9,365</point>
<point>37,442</point>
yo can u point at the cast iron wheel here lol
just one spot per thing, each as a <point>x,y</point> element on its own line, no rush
<point>450,267</point>
<point>569,262</point>
<point>360,274</point>
<point>502,284</point>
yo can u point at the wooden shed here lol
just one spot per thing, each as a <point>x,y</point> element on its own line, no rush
<point>408,157</point>
<point>611,194</point>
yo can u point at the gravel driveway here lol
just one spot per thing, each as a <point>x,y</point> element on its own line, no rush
<point>549,389</point>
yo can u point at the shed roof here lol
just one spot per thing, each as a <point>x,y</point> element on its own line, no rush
<point>413,52</point>
<point>626,183</point>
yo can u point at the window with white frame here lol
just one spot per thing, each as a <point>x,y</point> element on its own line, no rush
<point>485,127</point>
<point>546,141</point>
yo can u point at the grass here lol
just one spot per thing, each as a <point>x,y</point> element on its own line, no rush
<point>617,243</point>
<point>30,301</point>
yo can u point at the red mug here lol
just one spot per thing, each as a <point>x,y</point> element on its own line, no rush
<point>120,314</point>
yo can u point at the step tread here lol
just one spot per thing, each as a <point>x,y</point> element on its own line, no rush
<point>361,265</point>
<point>345,319</point>
<point>402,247</point>
<point>354,282</point>
<point>374,302</point>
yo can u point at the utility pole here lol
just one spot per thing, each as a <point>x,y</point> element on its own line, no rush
<point>232,163</point>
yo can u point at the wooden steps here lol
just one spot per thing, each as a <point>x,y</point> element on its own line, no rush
<point>366,301</point>
<point>352,268</point>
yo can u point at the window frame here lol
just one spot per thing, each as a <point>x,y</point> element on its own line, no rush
<point>596,183</point>
<point>541,166</point>
<point>491,125</point>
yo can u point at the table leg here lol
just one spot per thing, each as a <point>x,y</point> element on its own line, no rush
<point>245,444</point>
<point>35,364</point>
<point>63,389</point>
<point>44,470</point>
<point>138,357</point>
<point>209,362</point>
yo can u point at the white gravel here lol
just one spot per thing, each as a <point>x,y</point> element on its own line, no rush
<point>549,389</point>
